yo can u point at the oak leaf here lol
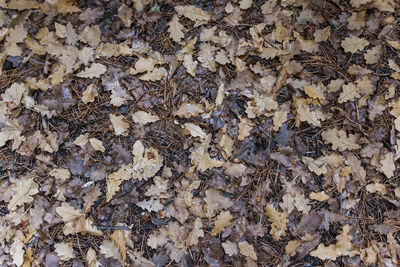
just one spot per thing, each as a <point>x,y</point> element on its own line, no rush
<point>354,44</point>
<point>223,220</point>
<point>144,118</point>
<point>339,140</point>
<point>24,190</point>
<point>176,29</point>
<point>94,71</point>
<point>278,221</point>
<point>64,251</point>
<point>247,250</point>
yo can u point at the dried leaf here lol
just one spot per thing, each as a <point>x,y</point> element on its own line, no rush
<point>387,165</point>
<point>143,117</point>
<point>354,44</point>
<point>193,13</point>
<point>339,140</point>
<point>119,125</point>
<point>195,130</point>
<point>97,144</point>
<point>319,196</point>
<point>230,248</point>
<point>125,14</point>
<point>24,190</point>
<point>176,29</point>
<point>94,71</point>
<point>89,94</point>
<point>278,222</point>
<point>247,250</point>
<point>64,251</point>
<point>223,220</point>
<point>190,65</point>
<point>189,110</point>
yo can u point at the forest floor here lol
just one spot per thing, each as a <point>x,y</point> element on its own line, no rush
<point>199,133</point>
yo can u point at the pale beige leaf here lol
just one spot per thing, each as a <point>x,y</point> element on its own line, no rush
<point>94,71</point>
<point>245,126</point>
<point>315,91</point>
<point>230,248</point>
<point>306,114</point>
<point>64,251</point>
<point>176,29</point>
<point>322,35</point>
<point>291,247</point>
<point>247,250</point>
<point>376,188</point>
<point>325,253</point>
<point>195,130</point>
<point>67,212</point>
<point>155,75</point>
<point>17,251</point>
<point>89,94</point>
<point>143,117</point>
<point>354,44</point>
<point>14,94</point>
<point>97,144</point>
<point>339,140</point>
<point>206,56</point>
<point>201,158</point>
<point>110,250</point>
<point>373,54</point>
<point>189,110</point>
<point>388,167</point>
<point>120,241</point>
<point>190,65</point>
<point>24,190</point>
<point>60,174</point>
<point>115,179</point>
<point>150,205</point>
<point>143,65</point>
<point>319,196</point>
<point>65,7</point>
<point>196,233</point>
<point>119,124</point>
<point>82,140</point>
<point>193,13</point>
<point>125,14</point>
<point>317,166</point>
<point>23,4</point>
<point>350,93</point>
<point>278,221</point>
<point>223,220</point>
<point>245,4</point>
<point>216,201</point>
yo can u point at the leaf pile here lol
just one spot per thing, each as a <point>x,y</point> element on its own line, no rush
<point>199,133</point>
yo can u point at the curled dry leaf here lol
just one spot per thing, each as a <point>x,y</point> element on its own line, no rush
<point>119,124</point>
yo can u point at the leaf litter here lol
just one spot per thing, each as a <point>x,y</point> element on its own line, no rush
<point>219,133</point>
